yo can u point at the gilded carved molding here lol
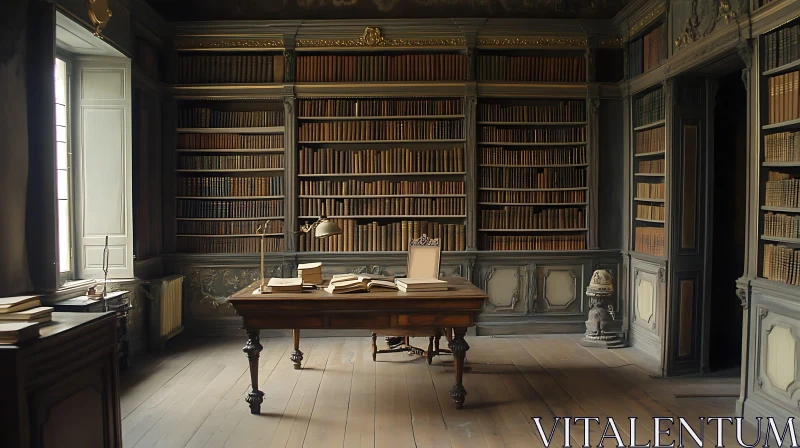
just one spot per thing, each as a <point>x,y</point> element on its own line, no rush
<point>217,44</point>
<point>611,42</point>
<point>373,38</point>
<point>647,20</point>
<point>533,41</point>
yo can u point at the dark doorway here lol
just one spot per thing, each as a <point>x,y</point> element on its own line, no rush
<point>728,240</point>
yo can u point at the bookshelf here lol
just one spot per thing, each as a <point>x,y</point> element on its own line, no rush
<point>532,169</point>
<point>385,169</point>
<point>648,170</point>
<point>779,220</point>
<point>648,50</point>
<point>229,173</point>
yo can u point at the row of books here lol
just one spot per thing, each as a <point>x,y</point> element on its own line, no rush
<point>554,156</point>
<point>418,129</point>
<point>650,190</point>
<point>648,52</point>
<point>403,67</point>
<point>231,245</point>
<point>534,197</point>
<point>388,237</point>
<point>191,208</point>
<point>782,264</point>
<point>530,242</point>
<point>204,117</point>
<point>393,160</point>
<point>650,140</point>
<point>782,225</point>
<point>782,147</point>
<point>491,134</point>
<point>784,97</point>
<point>651,166</point>
<point>347,107</point>
<point>243,162</point>
<point>524,217</point>
<point>649,240</point>
<point>653,212</point>
<point>782,190</point>
<point>230,69</point>
<point>379,187</point>
<point>230,186</point>
<point>228,227</point>
<point>531,68</point>
<point>566,177</point>
<point>542,112</point>
<point>649,108</point>
<point>383,206</point>
<point>230,141</point>
<point>782,47</point>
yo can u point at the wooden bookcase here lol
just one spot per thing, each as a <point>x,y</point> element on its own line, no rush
<point>229,155</point>
<point>648,49</point>
<point>532,171</point>
<point>779,214</point>
<point>385,169</point>
<point>421,151</point>
<point>648,169</point>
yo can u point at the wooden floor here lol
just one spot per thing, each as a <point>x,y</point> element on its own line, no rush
<point>193,395</point>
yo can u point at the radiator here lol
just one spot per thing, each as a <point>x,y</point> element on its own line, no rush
<point>166,300</point>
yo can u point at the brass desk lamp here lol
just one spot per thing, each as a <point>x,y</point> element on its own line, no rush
<point>322,227</point>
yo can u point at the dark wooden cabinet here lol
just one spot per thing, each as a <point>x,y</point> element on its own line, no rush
<point>117,302</point>
<point>62,389</point>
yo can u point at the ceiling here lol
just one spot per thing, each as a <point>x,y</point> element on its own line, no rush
<point>199,10</point>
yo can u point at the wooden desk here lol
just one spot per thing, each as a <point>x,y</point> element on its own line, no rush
<point>62,389</point>
<point>313,309</point>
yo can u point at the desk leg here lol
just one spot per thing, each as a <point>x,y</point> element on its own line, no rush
<point>297,355</point>
<point>459,347</point>
<point>253,349</point>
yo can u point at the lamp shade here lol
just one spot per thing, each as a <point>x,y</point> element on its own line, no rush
<point>326,228</point>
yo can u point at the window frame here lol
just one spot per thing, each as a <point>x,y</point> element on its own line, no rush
<point>69,274</point>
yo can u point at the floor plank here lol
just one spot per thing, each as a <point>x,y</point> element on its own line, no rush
<point>192,395</point>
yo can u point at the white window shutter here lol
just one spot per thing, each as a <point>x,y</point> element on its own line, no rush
<point>102,142</point>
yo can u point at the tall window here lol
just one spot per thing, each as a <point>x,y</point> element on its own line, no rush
<point>63,170</point>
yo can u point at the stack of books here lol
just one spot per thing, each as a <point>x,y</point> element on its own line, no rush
<point>24,309</point>
<point>344,283</point>
<point>21,317</point>
<point>285,285</point>
<point>421,284</point>
<point>310,273</point>
<point>16,332</point>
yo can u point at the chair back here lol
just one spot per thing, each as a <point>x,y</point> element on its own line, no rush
<point>424,257</point>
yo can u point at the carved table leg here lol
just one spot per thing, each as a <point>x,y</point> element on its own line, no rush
<point>297,355</point>
<point>253,349</point>
<point>459,347</point>
<point>374,346</point>
<point>430,352</point>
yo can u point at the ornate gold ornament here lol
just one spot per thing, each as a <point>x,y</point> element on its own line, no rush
<point>99,13</point>
<point>720,10</point>
<point>533,42</point>
<point>611,43</point>
<point>372,37</point>
<point>212,44</point>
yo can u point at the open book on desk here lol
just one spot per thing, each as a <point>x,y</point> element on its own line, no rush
<point>344,283</point>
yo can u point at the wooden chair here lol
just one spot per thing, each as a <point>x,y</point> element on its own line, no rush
<point>424,259</point>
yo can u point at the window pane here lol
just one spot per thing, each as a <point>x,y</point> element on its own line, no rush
<point>63,236</point>
<point>61,155</point>
<point>63,184</point>
<point>61,82</point>
<point>61,133</point>
<point>61,114</point>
